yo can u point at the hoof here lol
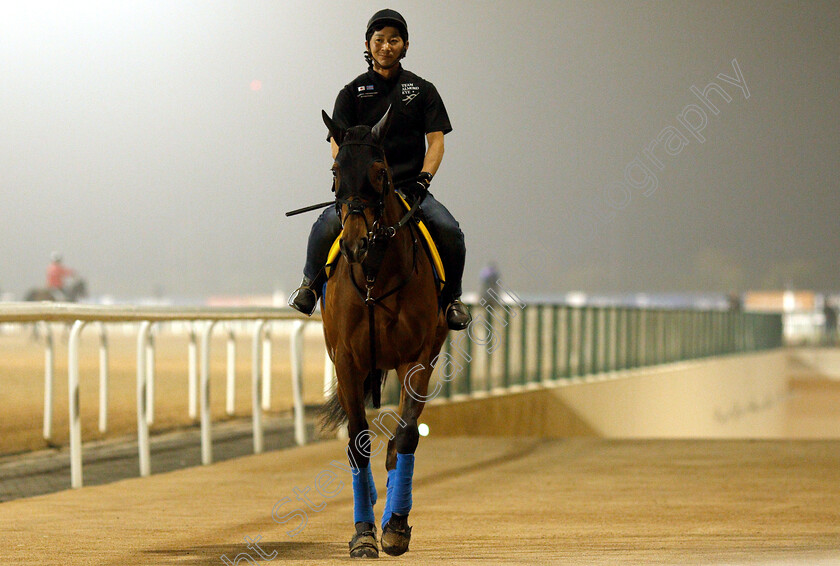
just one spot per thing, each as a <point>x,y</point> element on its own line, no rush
<point>396,535</point>
<point>363,543</point>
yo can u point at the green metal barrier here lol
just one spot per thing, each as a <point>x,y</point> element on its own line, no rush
<point>549,342</point>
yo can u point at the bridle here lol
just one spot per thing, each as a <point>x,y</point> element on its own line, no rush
<point>357,205</point>
<point>376,232</point>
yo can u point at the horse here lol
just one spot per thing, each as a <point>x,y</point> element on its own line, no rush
<point>380,311</point>
<point>71,293</point>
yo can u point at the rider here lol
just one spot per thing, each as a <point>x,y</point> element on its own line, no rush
<point>56,272</point>
<point>413,149</point>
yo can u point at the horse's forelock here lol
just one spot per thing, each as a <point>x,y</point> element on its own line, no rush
<point>354,160</point>
<point>358,134</point>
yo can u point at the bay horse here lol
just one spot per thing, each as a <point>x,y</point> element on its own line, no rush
<point>76,290</point>
<point>380,311</point>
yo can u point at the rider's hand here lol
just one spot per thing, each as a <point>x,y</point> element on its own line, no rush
<point>421,185</point>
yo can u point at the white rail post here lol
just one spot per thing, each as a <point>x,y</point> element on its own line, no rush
<point>296,342</point>
<point>231,372</point>
<point>103,378</point>
<point>204,390</point>
<point>150,377</point>
<point>142,424</point>
<point>266,372</point>
<point>192,354</point>
<point>256,386</point>
<point>49,380</point>
<point>73,402</point>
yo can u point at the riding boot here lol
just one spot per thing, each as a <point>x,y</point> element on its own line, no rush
<point>304,299</point>
<point>457,315</point>
<point>450,240</point>
<point>324,232</point>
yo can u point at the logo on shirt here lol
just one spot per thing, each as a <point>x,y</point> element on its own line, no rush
<point>409,92</point>
<point>364,91</point>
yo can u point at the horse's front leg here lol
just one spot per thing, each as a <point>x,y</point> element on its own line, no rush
<point>396,533</point>
<point>351,395</point>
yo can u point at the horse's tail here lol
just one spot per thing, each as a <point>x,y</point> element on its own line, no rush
<point>332,413</point>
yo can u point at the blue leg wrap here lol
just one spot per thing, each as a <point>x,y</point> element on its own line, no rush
<point>398,496</point>
<point>373,495</point>
<point>364,493</point>
<point>389,496</point>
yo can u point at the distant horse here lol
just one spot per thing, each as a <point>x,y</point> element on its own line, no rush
<point>76,290</point>
<point>380,311</point>
<point>72,293</point>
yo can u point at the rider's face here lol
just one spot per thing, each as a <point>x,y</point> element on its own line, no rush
<point>385,46</point>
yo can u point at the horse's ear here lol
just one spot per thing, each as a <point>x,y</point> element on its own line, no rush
<point>381,127</point>
<point>335,132</point>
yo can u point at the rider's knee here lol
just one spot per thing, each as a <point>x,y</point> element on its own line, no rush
<point>326,228</point>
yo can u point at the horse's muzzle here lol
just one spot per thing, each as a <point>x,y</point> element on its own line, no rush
<point>355,251</point>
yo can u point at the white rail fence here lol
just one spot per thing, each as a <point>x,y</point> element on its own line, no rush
<point>202,321</point>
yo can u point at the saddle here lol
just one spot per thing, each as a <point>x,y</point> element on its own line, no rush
<point>429,247</point>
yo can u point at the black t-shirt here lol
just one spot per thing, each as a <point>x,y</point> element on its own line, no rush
<point>418,111</point>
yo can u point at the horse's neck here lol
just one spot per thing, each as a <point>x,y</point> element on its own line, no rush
<point>393,209</point>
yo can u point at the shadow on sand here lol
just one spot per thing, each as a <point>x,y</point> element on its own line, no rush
<point>212,554</point>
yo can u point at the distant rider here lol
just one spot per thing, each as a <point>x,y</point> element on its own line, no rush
<point>56,273</point>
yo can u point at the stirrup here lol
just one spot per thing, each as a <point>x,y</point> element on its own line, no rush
<point>457,315</point>
<point>304,299</point>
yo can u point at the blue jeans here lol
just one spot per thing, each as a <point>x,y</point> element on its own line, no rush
<point>441,224</point>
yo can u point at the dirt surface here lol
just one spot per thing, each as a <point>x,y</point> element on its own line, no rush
<point>476,501</point>
<point>22,384</point>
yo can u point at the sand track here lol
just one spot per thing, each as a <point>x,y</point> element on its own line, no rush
<point>476,501</point>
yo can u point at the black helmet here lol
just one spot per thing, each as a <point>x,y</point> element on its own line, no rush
<point>384,18</point>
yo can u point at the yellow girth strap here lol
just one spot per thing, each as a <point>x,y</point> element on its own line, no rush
<point>438,264</point>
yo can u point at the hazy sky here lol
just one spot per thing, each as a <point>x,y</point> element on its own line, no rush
<point>133,142</point>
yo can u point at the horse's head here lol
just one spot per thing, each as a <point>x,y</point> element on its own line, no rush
<point>362,182</point>
<point>78,290</point>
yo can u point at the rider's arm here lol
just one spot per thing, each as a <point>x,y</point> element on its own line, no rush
<point>434,152</point>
